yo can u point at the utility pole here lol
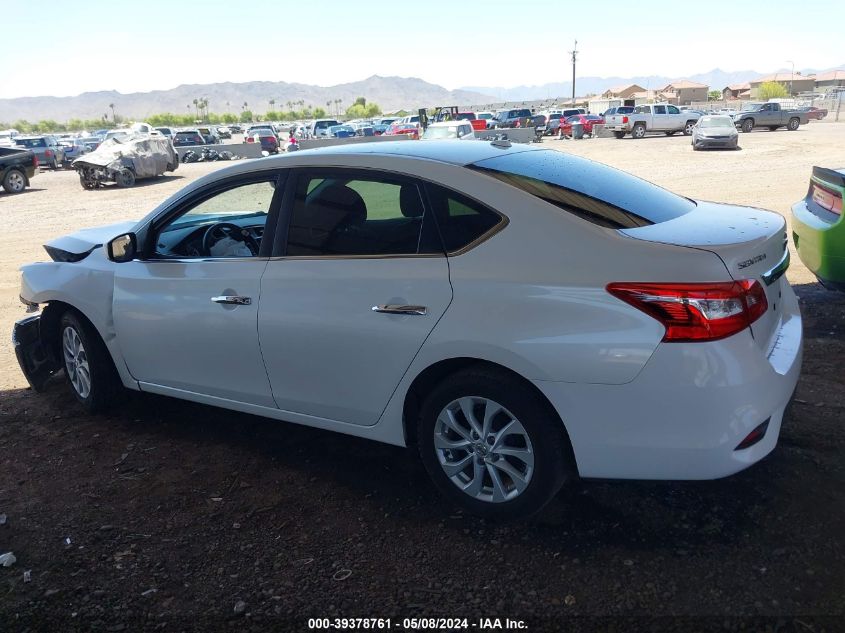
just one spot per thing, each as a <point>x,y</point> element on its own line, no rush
<point>574,53</point>
<point>791,77</point>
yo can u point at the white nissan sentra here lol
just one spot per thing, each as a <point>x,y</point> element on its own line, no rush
<point>518,315</point>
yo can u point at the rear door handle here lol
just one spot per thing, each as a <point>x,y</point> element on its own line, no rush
<point>232,300</point>
<point>392,308</point>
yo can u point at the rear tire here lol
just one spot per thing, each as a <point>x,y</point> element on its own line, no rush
<point>688,128</point>
<point>535,457</point>
<point>747,125</point>
<point>638,131</point>
<point>87,363</point>
<point>793,124</point>
<point>14,181</point>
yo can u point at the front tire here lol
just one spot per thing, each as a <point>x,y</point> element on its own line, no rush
<point>87,363</point>
<point>491,445</point>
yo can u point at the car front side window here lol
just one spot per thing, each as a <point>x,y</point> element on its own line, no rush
<point>227,223</point>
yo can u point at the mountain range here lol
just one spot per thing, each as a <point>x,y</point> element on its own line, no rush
<point>391,93</point>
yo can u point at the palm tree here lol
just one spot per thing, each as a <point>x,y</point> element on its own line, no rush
<point>227,107</point>
<point>244,105</point>
<point>337,103</point>
<point>329,105</point>
<point>272,103</point>
<point>113,117</point>
<point>289,104</point>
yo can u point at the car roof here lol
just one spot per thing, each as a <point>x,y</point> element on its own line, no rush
<point>440,151</point>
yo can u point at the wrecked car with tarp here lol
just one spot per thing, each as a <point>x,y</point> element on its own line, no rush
<point>125,160</point>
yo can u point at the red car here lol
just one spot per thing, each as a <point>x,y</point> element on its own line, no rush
<point>587,120</point>
<point>403,128</point>
<point>815,113</point>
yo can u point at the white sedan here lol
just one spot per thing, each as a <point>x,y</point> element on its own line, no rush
<point>521,316</point>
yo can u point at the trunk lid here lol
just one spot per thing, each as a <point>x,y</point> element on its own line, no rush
<point>752,244</point>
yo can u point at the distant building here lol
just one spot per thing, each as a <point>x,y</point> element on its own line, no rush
<point>830,79</point>
<point>686,92</point>
<point>622,92</point>
<point>736,91</point>
<point>794,83</point>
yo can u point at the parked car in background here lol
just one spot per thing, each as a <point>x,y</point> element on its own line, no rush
<point>45,148</point>
<point>341,131</point>
<point>443,130</point>
<point>380,128</point>
<point>236,129</point>
<point>188,138</point>
<point>552,122</point>
<point>520,317</point>
<point>266,136</point>
<point>397,128</point>
<point>17,167</point>
<point>224,132</point>
<point>117,133</point>
<point>210,135</point>
<point>813,113</point>
<point>768,115</point>
<point>586,120</point>
<point>320,127</point>
<point>818,229</point>
<point>512,118</point>
<point>169,132</point>
<point>73,148</point>
<point>91,142</point>
<point>487,117</point>
<point>652,118</point>
<point>715,131</point>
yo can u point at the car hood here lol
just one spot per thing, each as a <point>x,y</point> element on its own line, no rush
<point>87,239</point>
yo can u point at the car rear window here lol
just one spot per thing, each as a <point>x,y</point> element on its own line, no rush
<point>31,142</point>
<point>592,191</point>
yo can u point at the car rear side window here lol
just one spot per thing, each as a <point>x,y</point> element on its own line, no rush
<point>338,214</point>
<point>592,191</point>
<point>461,220</point>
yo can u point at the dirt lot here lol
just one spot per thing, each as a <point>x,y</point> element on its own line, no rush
<point>173,516</point>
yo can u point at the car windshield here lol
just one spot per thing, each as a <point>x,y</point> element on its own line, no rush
<point>322,125</point>
<point>441,131</point>
<point>31,142</point>
<point>715,121</point>
<point>593,191</point>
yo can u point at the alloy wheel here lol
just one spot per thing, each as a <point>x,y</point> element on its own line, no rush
<point>16,182</point>
<point>483,449</point>
<point>76,362</point>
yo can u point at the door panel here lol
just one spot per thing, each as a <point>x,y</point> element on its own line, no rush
<point>172,334</point>
<point>328,354</point>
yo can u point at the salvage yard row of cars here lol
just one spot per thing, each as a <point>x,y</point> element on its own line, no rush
<point>519,316</point>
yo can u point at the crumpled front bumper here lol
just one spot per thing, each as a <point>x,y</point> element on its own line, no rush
<point>37,361</point>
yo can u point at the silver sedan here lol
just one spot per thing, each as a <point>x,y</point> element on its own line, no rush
<point>715,131</point>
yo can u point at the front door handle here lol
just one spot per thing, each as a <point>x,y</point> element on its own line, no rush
<point>392,308</point>
<point>232,300</point>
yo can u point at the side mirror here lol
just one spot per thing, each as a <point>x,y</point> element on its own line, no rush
<point>123,248</point>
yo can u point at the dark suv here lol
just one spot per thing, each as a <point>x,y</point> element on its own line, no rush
<point>509,118</point>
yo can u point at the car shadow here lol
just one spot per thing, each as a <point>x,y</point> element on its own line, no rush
<point>143,182</point>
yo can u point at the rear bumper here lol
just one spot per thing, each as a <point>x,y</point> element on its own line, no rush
<point>36,360</point>
<point>820,245</point>
<point>689,408</point>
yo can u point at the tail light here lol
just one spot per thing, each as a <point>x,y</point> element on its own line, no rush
<point>827,199</point>
<point>697,311</point>
<point>48,153</point>
<point>35,160</point>
<point>249,139</point>
<point>624,120</point>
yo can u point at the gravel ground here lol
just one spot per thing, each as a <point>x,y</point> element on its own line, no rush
<point>173,516</point>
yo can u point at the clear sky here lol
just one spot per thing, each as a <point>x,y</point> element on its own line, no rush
<point>65,47</point>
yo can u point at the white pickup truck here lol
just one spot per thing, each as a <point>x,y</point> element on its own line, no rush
<point>655,117</point>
